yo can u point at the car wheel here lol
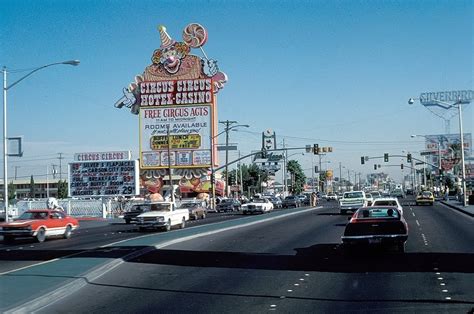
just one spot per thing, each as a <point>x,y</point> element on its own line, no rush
<point>41,235</point>
<point>168,226</point>
<point>183,223</point>
<point>343,211</point>
<point>141,229</point>
<point>67,232</point>
<point>127,221</point>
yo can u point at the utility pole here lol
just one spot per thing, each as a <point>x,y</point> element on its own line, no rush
<point>340,176</point>
<point>227,124</point>
<point>60,165</point>
<point>285,186</point>
<point>16,169</point>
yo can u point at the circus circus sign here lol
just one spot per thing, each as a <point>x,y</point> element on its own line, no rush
<point>175,100</point>
<point>175,76</point>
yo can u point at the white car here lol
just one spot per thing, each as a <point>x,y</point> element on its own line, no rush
<point>162,215</point>
<point>388,201</point>
<point>257,205</point>
<point>369,198</point>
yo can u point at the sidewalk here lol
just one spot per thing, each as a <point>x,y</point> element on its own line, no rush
<point>468,210</point>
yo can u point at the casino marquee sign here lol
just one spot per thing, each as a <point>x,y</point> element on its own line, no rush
<point>175,99</point>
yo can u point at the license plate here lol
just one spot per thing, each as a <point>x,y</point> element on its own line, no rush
<point>375,241</point>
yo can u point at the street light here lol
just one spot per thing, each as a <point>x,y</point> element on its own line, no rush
<point>5,138</point>
<point>448,106</point>
<point>228,126</point>
<point>439,154</point>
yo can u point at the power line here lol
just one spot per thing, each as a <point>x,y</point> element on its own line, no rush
<point>336,141</point>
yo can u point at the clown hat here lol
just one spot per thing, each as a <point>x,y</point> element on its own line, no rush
<point>166,40</point>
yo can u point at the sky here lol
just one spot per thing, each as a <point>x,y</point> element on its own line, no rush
<point>335,73</point>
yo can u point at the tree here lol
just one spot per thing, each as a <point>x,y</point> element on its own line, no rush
<point>297,175</point>
<point>11,191</point>
<point>32,187</point>
<point>62,189</point>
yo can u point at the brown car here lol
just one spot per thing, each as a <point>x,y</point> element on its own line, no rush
<point>196,210</point>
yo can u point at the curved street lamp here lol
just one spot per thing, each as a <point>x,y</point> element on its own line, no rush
<point>229,125</point>
<point>5,138</point>
<point>445,105</point>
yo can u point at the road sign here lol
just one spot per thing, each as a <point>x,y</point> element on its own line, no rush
<point>426,153</point>
<point>230,147</point>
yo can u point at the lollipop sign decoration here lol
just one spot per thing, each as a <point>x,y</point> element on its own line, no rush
<point>194,35</point>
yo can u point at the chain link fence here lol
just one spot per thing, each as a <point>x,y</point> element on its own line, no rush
<point>94,208</point>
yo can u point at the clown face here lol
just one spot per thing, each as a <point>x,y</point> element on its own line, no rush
<point>171,59</point>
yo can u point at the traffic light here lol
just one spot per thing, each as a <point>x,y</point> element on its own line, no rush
<point>401,166</point>
<point>385,157</point>
<point>362,160</point>
<point>316,149</point>
<point>375,167</point>
<point>408,157</point>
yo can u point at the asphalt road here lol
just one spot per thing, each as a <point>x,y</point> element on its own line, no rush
<point>291,264</point>
<point>90,236</point>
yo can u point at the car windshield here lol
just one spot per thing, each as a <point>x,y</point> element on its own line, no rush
<point>188,205</point>
<point>33,215</point>
<point>368,195</point>
<point>385,203</point>
<point>290,198</point>
<point>159,207</point>
<point>258,200</point>
<point>353,195</point>
<point>378,212</point>
<point>426,194</point>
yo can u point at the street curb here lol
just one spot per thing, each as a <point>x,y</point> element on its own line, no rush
<point>457,208</point>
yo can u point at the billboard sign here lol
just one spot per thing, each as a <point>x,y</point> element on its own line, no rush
<point>434,98</point>
<point>100,156</point>
<point>177,92</point>
<point>450,149</point>
<point>189,129</point>
<point>103,178</point>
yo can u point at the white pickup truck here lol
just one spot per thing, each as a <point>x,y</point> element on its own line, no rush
<point>352,201</point>
<point>162,215</point>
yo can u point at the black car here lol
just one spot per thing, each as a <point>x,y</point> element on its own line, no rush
<point>291,201</point>
<point>305,201</point>
<point>276,201</point>
<point>376,225</point>
<point>228,204</point>
<point>136,210</point>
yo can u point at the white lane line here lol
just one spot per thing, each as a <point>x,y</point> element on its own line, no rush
<point>203,234</point>
<point>417,222</point>
<point>413,214</point>
<point>26,267</point>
